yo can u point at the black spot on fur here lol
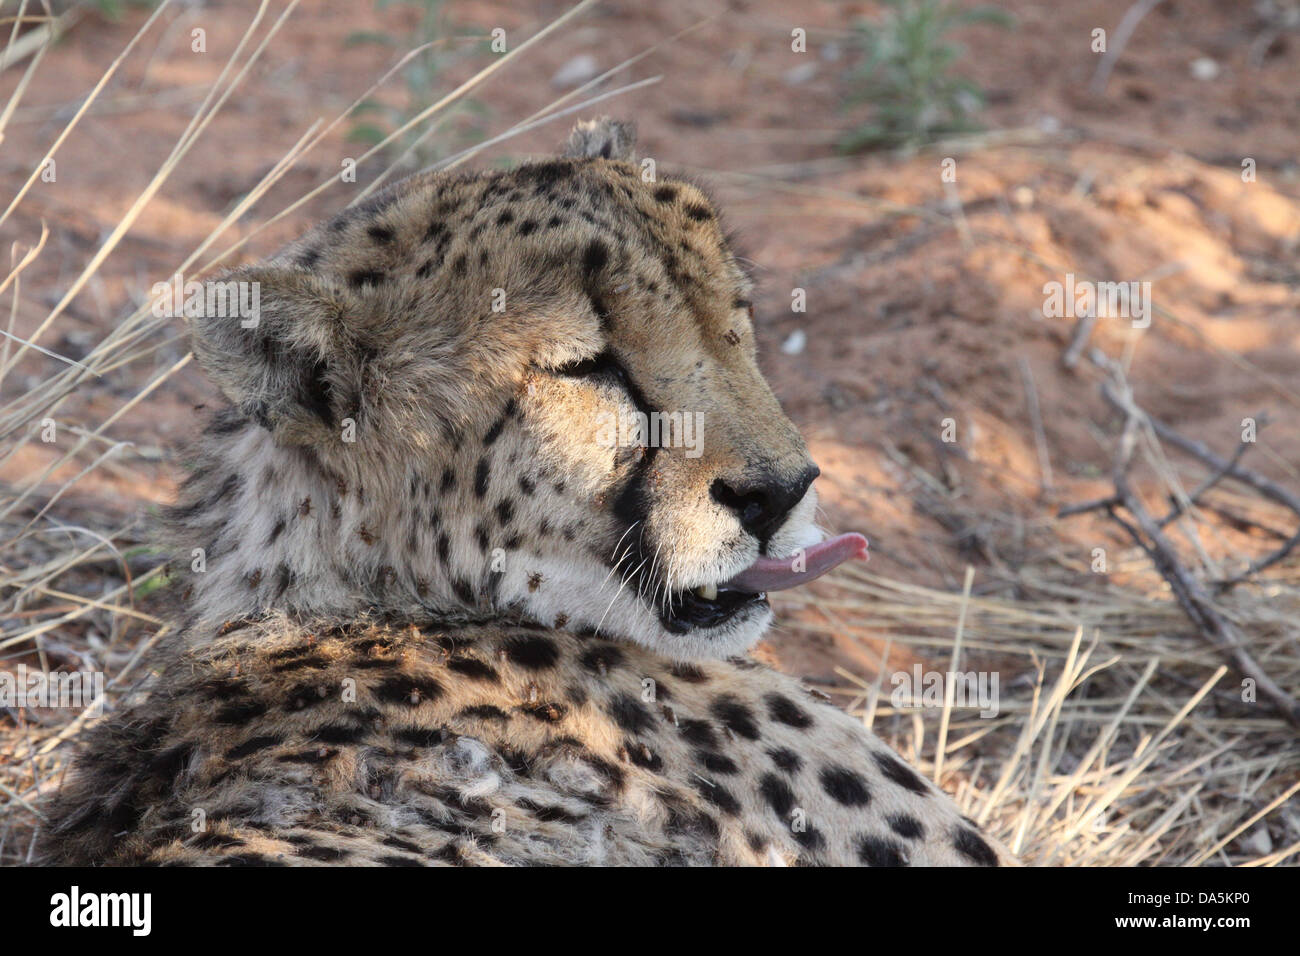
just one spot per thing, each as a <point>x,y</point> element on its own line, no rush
<point>972,846</point>
<point>699,732</point>
<point>643,756</point>
<point>473,668</point>
<point>396,859</point>
<point>906,825</point>
<point>450,854</point>
<point>305,695</point>
<point>845,786</point>
<point>228,487</point>
<point>547,813</point>
<point>317,756</point>
<point>365,277</point>
<point>527,227</point>
<point>283,578</point>
<point>481,478</point>
<point>397,843</point>
<point>698,212</point>
<point>777,793</point>
<point>505,218</point>
<point>215,841</point>
<point>900,773</point>
<point>505,511</point>
<point>720,797</point>
<point>809,838</point>
<point>494,432</point>
<point>548,173</point>
<point>248,859</point>
<point>526,486</point>
<point>224,688</point>
<point>549,712</point>
<point>689,673</point>
<point>691,822</point>
<point>600,660</point>
<point>409,691</point>
<point>240,712</point>
<point>170,762</point>
<point>881,851</point>
<point>786,759</point>
<point>380,233</point>
<point>785,711</point>
<point>666,193</point>
<point>630,714</point>
<point>716,762</point>
<point>329,854</point>
<point>532,652</point>
<point>418,737</point>
<point>482,712</point>
<point>736,716</point>
<point>594,258</point>
<point>340,734</point>
<point>462,589</point>
<point>315,662</point>
<point>252,746</point>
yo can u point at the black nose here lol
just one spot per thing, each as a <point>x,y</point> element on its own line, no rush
<point>762,505</point>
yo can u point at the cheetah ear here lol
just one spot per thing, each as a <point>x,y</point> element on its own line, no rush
<point>602,138</point>
<point>284,355</point>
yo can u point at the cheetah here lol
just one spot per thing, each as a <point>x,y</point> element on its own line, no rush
<point>432,615</point>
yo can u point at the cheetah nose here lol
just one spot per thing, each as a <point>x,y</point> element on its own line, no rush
<point>762,505</point>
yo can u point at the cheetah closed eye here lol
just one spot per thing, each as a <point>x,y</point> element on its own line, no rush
<point>480,544</point>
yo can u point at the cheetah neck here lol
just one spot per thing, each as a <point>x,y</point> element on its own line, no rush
<point>261,527</point>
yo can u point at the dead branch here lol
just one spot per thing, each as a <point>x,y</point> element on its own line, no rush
<point>1127,24</point>
<point>1223,468</point>
<point>1148,534</point>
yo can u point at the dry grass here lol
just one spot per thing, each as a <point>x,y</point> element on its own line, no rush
<point>1121,738</point>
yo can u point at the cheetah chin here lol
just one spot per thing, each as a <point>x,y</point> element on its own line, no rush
<point>723,617</point>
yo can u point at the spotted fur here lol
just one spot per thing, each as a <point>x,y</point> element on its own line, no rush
<point>283,743</point>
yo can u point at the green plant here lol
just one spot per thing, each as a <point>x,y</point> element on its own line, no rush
<point>113,10</point>
<point>374,120</point>
<point>906,74</point>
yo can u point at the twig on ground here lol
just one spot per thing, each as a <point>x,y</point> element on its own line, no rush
<point>1079,338</point>
<point>1148,534</point>
<point>1036,422</point>
<point>1132,17</point>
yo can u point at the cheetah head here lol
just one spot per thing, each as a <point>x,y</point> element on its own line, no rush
<point>533,393</point>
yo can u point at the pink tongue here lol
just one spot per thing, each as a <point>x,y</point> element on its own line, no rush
<point>777,574</point>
